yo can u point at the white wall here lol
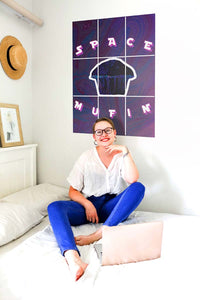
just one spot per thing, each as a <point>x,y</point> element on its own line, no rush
<point>18,91</point>
<point>168,163</point>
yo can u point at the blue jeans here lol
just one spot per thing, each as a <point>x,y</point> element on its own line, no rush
<point>111,210</point>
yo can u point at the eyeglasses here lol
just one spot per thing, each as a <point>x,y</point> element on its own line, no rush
<point>107,130</point>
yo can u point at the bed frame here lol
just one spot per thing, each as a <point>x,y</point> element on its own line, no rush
<point>17,168</point>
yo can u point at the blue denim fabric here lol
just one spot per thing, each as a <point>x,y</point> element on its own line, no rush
<point>111,210</point>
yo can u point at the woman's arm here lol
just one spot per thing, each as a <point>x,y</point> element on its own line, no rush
<point>131,173</point>
<point>90,210</point>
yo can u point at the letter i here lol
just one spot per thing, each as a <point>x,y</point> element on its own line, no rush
<point>129,113</point>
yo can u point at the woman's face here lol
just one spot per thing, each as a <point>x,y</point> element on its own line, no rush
<point>104,134</point>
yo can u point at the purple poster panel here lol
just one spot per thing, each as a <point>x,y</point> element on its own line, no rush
<point>114,74</point>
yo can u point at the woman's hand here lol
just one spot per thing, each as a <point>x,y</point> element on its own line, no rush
<point>91,213</point>
<point>90,210</point>
<point>116,149</point>
<point>130,170</point>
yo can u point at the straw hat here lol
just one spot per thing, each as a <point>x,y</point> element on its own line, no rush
<point>13,57</point>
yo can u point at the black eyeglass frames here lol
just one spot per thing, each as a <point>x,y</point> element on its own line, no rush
<point>107,130</point>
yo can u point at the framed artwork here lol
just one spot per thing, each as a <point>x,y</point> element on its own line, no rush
<point>114,74</point>
<point>10,125</point>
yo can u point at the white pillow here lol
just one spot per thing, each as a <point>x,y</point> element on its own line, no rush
<point>15,220</point>
<point>38,197</point>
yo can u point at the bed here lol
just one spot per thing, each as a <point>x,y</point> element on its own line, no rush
<point>31,266</point>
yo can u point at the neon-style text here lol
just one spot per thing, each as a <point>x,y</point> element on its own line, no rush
<point>146,109</point>
<point>148,45</point>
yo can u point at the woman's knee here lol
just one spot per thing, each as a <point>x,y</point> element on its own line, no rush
<point>138,186</point>
<point>57,205</point>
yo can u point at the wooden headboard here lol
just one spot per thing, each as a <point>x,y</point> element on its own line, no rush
<point>17,168</point>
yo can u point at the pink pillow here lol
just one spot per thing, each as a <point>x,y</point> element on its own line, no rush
<point>131,243</point>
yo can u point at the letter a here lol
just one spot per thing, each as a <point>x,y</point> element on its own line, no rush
<point>112,42</point>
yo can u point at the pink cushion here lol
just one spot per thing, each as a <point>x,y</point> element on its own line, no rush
<point>131,243</point>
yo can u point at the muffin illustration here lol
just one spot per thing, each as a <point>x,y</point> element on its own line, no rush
<point>112,77</point>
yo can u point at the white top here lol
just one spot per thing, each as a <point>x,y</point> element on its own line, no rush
<point>91,177</point>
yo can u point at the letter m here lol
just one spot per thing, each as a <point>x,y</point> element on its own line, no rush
<point>78,106</point>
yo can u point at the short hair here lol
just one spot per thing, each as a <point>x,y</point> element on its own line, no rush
<point>103,119</point>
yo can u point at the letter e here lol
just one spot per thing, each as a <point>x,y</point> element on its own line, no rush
<point>148,45</point>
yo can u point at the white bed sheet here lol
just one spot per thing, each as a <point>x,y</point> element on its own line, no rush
<point>33,268</point>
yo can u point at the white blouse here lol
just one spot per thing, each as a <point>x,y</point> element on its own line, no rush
<point>91,177</point>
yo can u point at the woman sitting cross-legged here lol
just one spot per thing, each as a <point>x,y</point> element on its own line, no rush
<point>103,189</point>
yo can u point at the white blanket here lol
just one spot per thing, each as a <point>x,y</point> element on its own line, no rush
<point>35,269</point>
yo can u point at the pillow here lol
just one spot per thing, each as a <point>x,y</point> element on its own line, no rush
<point>131,243</point>
<point>15,220</point>
<point>38,197</point>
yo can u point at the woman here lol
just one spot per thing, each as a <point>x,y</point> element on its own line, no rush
<point>103,189</point>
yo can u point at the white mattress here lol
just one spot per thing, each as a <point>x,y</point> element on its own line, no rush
<point>33,268</point>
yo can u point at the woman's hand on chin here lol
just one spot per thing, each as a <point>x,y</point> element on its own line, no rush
<point>115,149</point>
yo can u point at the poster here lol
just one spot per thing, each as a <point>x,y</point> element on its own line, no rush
<point>114,74</point>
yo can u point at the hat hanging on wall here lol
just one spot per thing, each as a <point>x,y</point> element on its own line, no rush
<point>13,57</point>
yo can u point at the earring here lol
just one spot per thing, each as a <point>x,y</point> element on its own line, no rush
<point>95,143</point>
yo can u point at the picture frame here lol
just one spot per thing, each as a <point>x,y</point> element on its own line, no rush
<point>10,125</point>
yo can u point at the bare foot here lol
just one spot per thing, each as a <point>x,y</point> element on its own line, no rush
<point>82,240</point>
<point>76,265</point>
